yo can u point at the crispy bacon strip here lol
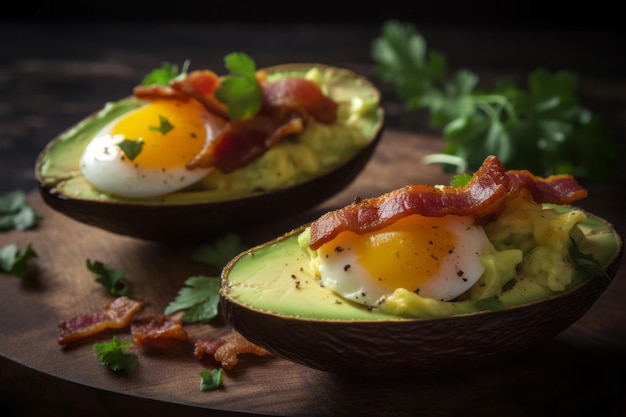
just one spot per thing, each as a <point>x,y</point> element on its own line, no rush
<point>299,95</point>
<point>201,85</point>
<point>485,196</point>
<point>116,315</point>
<point>226,349</point>
<point>152,330</point>
<point>242,141</point>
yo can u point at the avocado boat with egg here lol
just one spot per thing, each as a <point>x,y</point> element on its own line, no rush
<point>544,266</point>
<point>258,179</point>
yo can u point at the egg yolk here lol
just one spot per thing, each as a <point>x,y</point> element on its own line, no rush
<point>172,132</point>
<point>406,254</point>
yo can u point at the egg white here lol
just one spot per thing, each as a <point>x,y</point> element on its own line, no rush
<point>341,271</point>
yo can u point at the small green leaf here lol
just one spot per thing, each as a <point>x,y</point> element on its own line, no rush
<point>492,304</point>
<point>166,73</point>
<point>16,213</point>
<point>131,148</point>
<point>164,126</point>
<point>15,261</point>
<point>585,263</point>
<point>210,380</point>
<point>459,180</point>
<point>219,252</point>
<point>113,355</point>
<point>111,279</point>
<point>240,90</point>
<point>199,299</point>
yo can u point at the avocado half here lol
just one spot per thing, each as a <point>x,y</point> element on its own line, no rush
<point>270,296</point>
<point>196,214</point>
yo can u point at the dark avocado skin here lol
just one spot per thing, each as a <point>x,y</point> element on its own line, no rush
<point>191,215</point>
<point>305,323</point>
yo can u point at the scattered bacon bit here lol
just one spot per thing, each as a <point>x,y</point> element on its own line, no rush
<point>485,196</point>
<point>152,330</point>
<point>116,315</point>
<point>226,349</point>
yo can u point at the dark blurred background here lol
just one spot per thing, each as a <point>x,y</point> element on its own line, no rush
<point>60,61</point>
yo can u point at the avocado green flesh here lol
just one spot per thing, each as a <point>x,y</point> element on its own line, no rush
<point>59,164</point>
<point>278,279</point>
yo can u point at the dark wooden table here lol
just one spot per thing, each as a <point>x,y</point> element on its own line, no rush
<point>54,74</point>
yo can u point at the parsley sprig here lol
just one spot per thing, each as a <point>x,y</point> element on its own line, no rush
<point>240,90</point>
<point>165,73</point>
<point>112,279</point>
<point>211,379</point>
<point>585,263</point>
<point>15,260</point>
<point>16,213</point>
<point>543,129</point>
<point>114,355</point>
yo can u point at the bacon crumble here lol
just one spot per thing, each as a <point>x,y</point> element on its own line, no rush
<point>226,349</point>
<point>116,315</point>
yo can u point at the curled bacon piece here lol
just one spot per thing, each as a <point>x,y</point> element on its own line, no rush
<point>299,95</point>
<point>485,196</point>
<point>116,315</point>
<point>242,141</point>
<point>153,330</point>
<point>226,349</point>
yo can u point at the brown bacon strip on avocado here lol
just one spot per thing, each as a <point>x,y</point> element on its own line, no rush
<point>116,315</point>
<point>484,197</point>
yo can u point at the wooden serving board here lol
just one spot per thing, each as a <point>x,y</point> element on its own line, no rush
<point>583,359</point>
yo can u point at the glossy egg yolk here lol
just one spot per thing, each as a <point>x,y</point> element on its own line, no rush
<point>435,257</point>
<point>172,132</point>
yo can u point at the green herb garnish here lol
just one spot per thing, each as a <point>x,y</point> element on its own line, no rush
<point>543,129</point>
<point>240,90</point>
<point>15,261</point>
<point>585,262</point>
<point>111,279</point>
<point>220,252</point>
<point>164,126</point>
<point>113,355</point>
<point>492,304</point>
<point>16,213</point>
<point>459,180</point>
<point>131,148</point>
<point>166,73</point>
<point>210,380</point>
<point>199,299</point>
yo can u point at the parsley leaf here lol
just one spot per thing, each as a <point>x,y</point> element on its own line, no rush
<point>542,128</point>
<point>166,73</point>
<point>131,148</point>
<point>459,180</point>
<point>164,126</point>
<point>240,90</point>
<point>492,304</point>
<point>210,380</point>
<point>15,261</point>
<point>220,252</point>
<point>113,355</point>
<point>585,263</point>
<point>199,299</point>
<point>111,279</point>
<point>16,213</point>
